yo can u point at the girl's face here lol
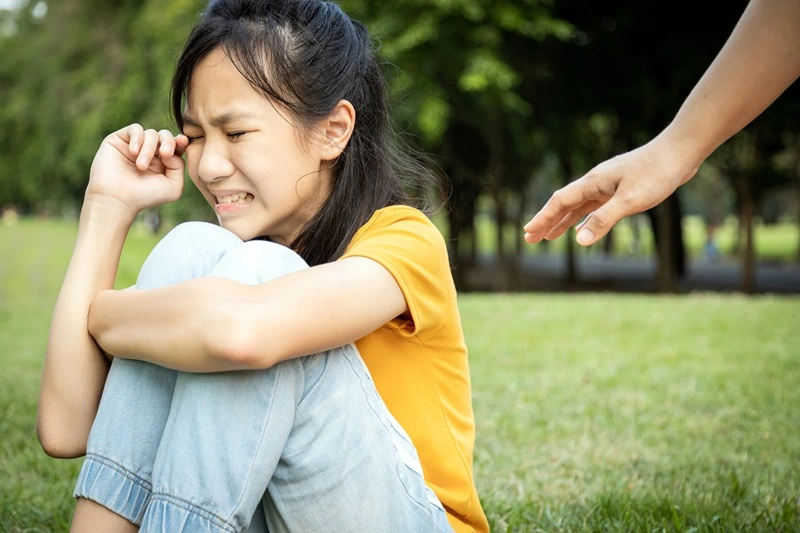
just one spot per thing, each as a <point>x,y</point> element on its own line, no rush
<point>259,172</point>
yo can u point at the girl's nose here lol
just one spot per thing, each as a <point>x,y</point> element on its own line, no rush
<point>214,163</point>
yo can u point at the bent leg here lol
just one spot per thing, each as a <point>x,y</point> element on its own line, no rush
<point>117,472</point>
<point>226,430</point>
<point>348,465</point>
<point>311,431</point>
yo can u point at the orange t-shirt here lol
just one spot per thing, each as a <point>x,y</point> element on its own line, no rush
<point>419,361</point>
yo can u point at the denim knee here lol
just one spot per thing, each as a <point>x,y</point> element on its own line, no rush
<point>256,262</point>
<point>190,250</point>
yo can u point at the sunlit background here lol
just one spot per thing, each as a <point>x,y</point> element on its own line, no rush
<point>615,412</point>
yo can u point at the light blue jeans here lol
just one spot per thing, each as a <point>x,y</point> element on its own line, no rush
<point>306,445</point>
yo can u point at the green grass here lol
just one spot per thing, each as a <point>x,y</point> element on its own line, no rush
<point>594,412</point>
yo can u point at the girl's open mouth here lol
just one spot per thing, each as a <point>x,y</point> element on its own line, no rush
<point>233,204</point>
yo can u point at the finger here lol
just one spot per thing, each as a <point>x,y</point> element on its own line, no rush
<point>552,231</point>
<point>166,143</point>
<point>135,136</point>
<point>563,202</point>
<point>148,149</point>
<point>174,171</point>
<point>600,222</point>
<point>571,219</point>
<point>181,142</point>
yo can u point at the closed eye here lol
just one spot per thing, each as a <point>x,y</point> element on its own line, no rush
<point>236,135</point>
<point>193,139</point>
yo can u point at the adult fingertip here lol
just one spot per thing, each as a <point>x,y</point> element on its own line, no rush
<point>585,237</point>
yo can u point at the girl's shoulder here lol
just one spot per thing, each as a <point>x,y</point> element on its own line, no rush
<point>398,217</point>
<point>403,230</point>
<point>409,245</point>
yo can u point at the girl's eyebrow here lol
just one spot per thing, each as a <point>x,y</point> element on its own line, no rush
<point>218,120</point>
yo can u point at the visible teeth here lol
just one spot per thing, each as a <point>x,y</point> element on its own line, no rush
<point>237,198</point>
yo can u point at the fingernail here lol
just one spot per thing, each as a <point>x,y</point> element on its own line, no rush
<point>585,237</point>
<point>143,162</point>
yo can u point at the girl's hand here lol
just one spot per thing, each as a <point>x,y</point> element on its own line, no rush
<point>136,168</point>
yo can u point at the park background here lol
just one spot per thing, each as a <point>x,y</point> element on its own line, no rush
<point>600,404</point>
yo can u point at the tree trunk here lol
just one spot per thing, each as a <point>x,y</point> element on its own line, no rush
<point>665,279</point>
<point>454,236</point>
<point>797,192</point>
<point>499,225</point>
<point>608,243</point>
<point>747,211</point>
<point>668,236</point>
<point>572,271</point>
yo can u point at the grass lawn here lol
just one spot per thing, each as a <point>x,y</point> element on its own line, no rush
<point>594,412</point>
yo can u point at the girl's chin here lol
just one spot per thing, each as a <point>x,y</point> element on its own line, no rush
<point>244,233</point>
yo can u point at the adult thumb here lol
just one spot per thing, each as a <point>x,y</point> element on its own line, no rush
<point>595,226</point>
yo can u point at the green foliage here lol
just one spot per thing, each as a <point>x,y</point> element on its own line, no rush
<point>505,93</point>
<point>86,69</point>
<point>594,412</point>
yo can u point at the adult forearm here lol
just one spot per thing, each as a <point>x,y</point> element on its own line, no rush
<point>74,368</point>
<point>759,61</point>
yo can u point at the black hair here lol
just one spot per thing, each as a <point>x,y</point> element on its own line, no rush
<point>307,55</point>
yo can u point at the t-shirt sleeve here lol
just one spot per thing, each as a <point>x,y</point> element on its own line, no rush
<point>413,250</point>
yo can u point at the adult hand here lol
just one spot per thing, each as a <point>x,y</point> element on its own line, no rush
<point>136,168</point>
<point>627,184</point>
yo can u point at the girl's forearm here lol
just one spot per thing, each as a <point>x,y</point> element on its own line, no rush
<point>192,326</point>
<point>74,368</point>
<point>758,62</point>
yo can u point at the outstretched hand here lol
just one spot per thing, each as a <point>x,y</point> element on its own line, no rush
<point>136,168</point>
<point>625,185</point>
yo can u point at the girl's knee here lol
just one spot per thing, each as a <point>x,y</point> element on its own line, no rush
<point>256,262</point>
<point>200,235</point>
<point>190,250</point>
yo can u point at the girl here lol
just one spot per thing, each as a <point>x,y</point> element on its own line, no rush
<point>235,398</point>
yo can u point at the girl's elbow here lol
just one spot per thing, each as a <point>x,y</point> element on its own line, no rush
<point>245,352</point>
<point>60,444</point>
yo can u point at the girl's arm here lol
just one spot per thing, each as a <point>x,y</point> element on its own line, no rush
<point>127,175</point>
<point>226,325</point>
<point>758,62</point>
<point>75,369</point>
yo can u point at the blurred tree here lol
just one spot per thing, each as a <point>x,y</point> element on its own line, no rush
<point>633,63</point>
<point>758,160</point>
<point>463,62</point>
<point>498,90</point>
<point>70,77</point>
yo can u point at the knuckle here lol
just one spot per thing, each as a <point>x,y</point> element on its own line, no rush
<point>600,219</point>
<point>559,199</point>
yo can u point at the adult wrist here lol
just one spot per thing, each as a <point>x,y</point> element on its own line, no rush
<point>683,150</point>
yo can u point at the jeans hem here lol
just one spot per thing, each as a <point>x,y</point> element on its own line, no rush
<point>168,513</point>
<point>113,486</point>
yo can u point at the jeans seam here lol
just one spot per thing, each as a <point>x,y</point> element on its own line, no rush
<point>194,509</point>
<point>279,370</point>
<point>131,476</point>
<point>390,430</point>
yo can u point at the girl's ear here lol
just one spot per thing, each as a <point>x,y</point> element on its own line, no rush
<point>337,128</point>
